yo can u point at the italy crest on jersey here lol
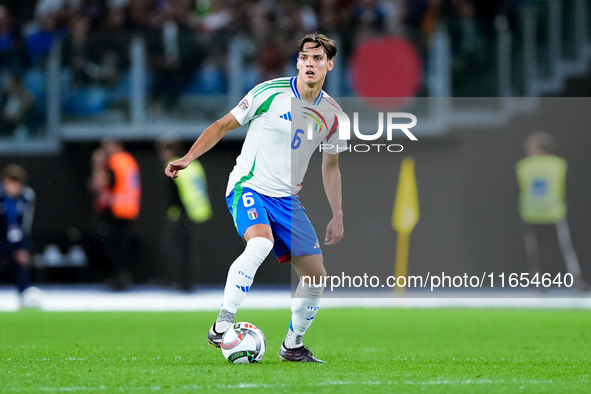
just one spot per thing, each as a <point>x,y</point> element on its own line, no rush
<point>252,213</point>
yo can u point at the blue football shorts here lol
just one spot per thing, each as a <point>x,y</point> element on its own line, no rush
<point>293,233</point>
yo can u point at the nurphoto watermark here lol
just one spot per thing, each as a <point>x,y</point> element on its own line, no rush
<point>350,130</point>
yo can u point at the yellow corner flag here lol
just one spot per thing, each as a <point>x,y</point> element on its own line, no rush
<point>406,214</point>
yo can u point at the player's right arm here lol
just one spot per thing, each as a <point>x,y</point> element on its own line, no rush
<point>247,110</point>
<point>205,142</point>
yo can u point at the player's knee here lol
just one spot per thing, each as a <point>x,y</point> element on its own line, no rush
<point>259,231</point>
<point>260,246</point>
<point>321,271</point>
<point>315,271</point>
<point>320,275</point>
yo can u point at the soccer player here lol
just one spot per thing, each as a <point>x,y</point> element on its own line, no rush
<point>261,192</point>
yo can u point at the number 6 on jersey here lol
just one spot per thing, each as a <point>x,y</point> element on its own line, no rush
<point>297,140</point>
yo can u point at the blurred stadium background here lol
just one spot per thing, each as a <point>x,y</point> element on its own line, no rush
<point>99,68</point>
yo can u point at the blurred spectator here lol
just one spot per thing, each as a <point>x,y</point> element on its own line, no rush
<point>278,52</point>
<point>94,10</point>
<point>16,104</point>
<point>61,8</point>
<point>542,204</point>
<point>258,22</point>
<point>38,44</point>
<point>141,15</point>
<point>467,34</point>
<point>296,19</point>
<point>273,57</point>
<point>396,11</point>
<point>424,14</point>
<point>113,41</point>
<point>336,17</point>
<point>330,13</point>
<point>23,11</point>
<point>80,52</point>
<point>11,45</point>
<point>116,38</point>
<point>369,19</point>
<point>174,55</point>
<point>216,20</point>
<point>272,28</point>
<point>115,181</point>
<point>420,21</point>
<point>189,209</point>
<point>17,205</point>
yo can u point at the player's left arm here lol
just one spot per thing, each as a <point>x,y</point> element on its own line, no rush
<point>331,178</point>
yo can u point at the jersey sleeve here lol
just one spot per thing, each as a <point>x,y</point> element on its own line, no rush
<point>244,111</point>
<point>259,99</point>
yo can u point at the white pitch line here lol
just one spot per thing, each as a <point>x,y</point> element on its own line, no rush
<point>438,382</point>
<point>97,299</point>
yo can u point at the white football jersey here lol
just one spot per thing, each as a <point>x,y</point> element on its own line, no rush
<point>278,145</point>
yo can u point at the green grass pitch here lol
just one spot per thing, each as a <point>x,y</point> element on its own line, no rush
<point>367,350</point>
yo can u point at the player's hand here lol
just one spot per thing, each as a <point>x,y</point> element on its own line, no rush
<point>22,257</point>
<point>173,168</point>
<point>334,231</point>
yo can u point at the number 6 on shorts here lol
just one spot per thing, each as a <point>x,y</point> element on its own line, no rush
<point>247,199</point>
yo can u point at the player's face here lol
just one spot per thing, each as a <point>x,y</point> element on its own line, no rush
<point>12,188</point>
<point>313,64</point>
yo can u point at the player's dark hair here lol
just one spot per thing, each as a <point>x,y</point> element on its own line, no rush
<point>328,45</point>
<point>16,173</point>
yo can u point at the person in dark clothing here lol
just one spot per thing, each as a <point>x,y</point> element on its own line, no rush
<point>16,106</point>
<point>11,43</point>
<point>17,205</point>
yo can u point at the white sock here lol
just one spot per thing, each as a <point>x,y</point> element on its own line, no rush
<point>242,271</point>
<point>225,320</point>
<point>304,307</point>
